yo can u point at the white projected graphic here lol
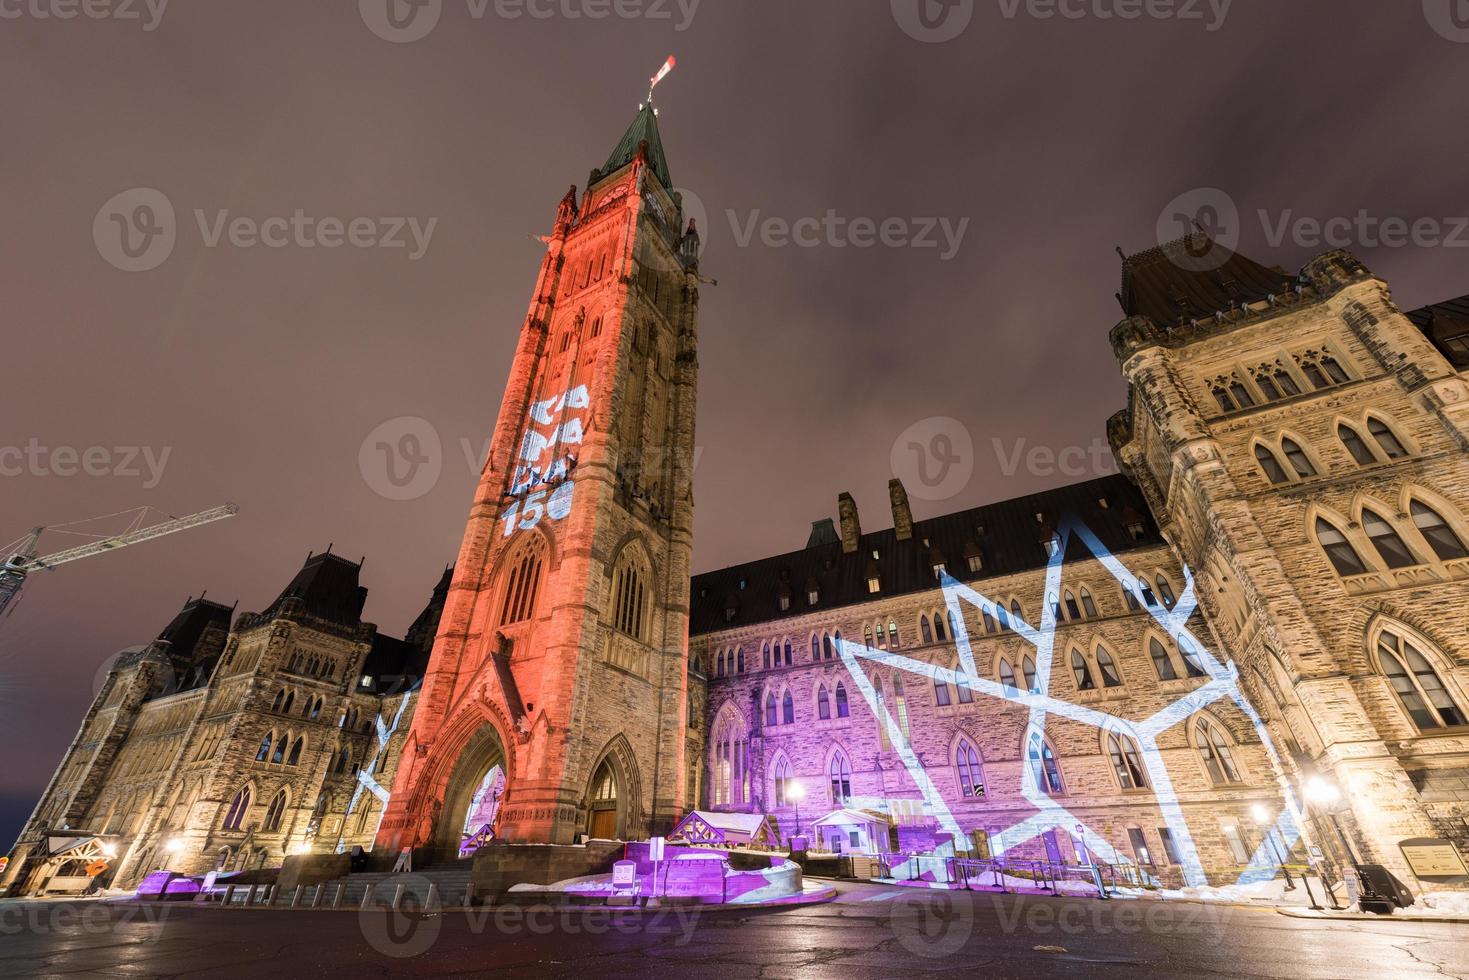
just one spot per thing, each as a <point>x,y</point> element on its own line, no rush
<point>542,486</point>
<point>365,781</point>
<point>1223,684</point>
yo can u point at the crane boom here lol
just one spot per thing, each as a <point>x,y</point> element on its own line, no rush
<point>17,566</point>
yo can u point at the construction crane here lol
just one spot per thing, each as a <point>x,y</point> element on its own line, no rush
<point>23,557</point>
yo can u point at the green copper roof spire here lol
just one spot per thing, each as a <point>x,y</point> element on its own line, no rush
<point>644,127</point>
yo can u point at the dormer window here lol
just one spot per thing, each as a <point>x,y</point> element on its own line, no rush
<point>366,680</point>
<point>744,582</point>
<point>938,570</point>
<point>813,596</point>
<point>976,563</point>
<point>876,556</point>
<point>874,584</point>
<point>785,603</point>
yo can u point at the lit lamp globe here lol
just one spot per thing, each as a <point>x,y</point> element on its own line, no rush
<point>174,846</point>
<point>1260,815</point>
<point>796,792</point>
<point>1322,791</point>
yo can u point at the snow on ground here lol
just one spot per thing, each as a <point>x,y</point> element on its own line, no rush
<point>1439,904</point>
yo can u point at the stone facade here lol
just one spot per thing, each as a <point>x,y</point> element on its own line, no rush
<point>171,765</point>
<point>561,659</point>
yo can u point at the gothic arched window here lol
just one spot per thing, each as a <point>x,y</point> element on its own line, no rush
<point>1339,550</point>
<point>787,709</point>
<point>840,774</point>
<point>275,812</point>
<point>1027,666</point>
<point>1107,667</point>
<point>772,718</point>
<point>1274,472</point>
<point>1352,440</point>
<point>1007,676</point>
<point>1082,672</point>
<point>238,807</point>
<point>1299,461</point>
<point>783,781</point>
<point>629,596</point>
<point>1387,439</point>
<point>264,752</point>
<point>843,709</point>
<point>1417,684</point>
<point>1446,544</point>
<point>295,757</point>
<point>971,772</point>
<point>1385,538</point>
<point>1162,663</point>
<point>1126,761</point>
<point>924,630</point>
<point>1214,748</point>
<point>1044,768</point>
<point>823,703</point>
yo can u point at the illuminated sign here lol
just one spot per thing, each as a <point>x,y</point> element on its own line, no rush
<point>542,487</point>
<point>1433,859</point>
<point>1223,684</point>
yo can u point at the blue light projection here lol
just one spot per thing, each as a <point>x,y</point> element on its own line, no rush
<point>365,782</point>
<point>1050,814</point>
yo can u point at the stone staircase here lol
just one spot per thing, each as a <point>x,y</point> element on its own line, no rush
<point>453,879</point>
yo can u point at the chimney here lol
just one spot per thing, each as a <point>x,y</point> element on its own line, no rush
<point>902,513</point>
<point>851,526</point>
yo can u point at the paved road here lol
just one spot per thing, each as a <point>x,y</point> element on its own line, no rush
<point>869,932</point>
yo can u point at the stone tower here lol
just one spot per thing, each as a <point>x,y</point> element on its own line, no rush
<point>559,669</point>
<point>1302,442</point>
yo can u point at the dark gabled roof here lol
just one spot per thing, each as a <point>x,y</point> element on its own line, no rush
<point>1007,536</point>
<point>184,631</point>
<point>326,587</point>
<point>1441,321</point>
<point>644,127</point>
<point>1192,278</point>
<point>394,665</point>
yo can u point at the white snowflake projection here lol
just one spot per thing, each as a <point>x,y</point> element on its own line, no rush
<point>1051,814</point>
<point>365,781</point>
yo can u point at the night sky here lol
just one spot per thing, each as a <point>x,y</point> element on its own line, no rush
<point>260,371</point>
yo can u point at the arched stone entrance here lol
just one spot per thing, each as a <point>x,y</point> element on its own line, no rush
<point>612,795</point>
<point>481,756</point>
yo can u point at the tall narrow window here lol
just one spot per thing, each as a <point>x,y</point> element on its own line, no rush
<point>1082,672</point>
<point>1107,667</point>
<point>1387,439</point>
<point>1299,461</point>
<point>1214,747</point>
<point>238,808</point>
<point>1166,591</point>
<point>294,758</point>
<point>1007,676</point>
<point>965,692</point>
<point>1192,665</point>
<point>840,772</point>
<point>1044,768</point>
<point>941,692</point>
<point>1089,604</point>
<point>1436,531</point>
<point>1395,553</point>
<point>1073,611</point>
<point>783,782</point>
<point>1027,666</point>
<point>276,811</point>
<point>1274,472</point>
<point>1417,684</point>
<point>843,709</point>
<point>924,630</point>
<point>765,654</point>
<point>1126,761</point>
<point>520,590</point>
<point>1162,663</point>
<point>971,774</point>
<point>989,620</point>
<point>893,633</point>
<point>1339,550</point>
<point>1353,442</point>
<point>939,632</point>
<point>823,703</point>
<point>772,717</point>
<point>787,709</point>
<point>629,599</point>
<point>264,752</point>
<point>901,703</point>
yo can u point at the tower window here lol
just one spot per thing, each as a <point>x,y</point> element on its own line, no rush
<point>1385,538</point>
<point>1417,684</point>
<point>1339,550</point>
<point>1445,543</point>
<point>1354,445</point>
<point>1387,439</point>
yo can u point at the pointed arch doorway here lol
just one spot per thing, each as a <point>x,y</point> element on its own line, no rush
<point>476,789</point>
<point>602,803</point>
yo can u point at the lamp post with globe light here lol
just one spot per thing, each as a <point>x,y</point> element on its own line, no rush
<point>1324,795</point>
<point>795,793</point>
<point>1262,819</point>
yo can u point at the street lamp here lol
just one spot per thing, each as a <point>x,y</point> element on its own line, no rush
<point>795,793</point>
<point>1263,820</point>
<point>174,846</point>
<point>1325,794</point>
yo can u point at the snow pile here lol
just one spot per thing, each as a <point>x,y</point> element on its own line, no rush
<point>1444,903</point>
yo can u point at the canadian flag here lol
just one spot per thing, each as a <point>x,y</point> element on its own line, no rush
<point>668,66</point>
